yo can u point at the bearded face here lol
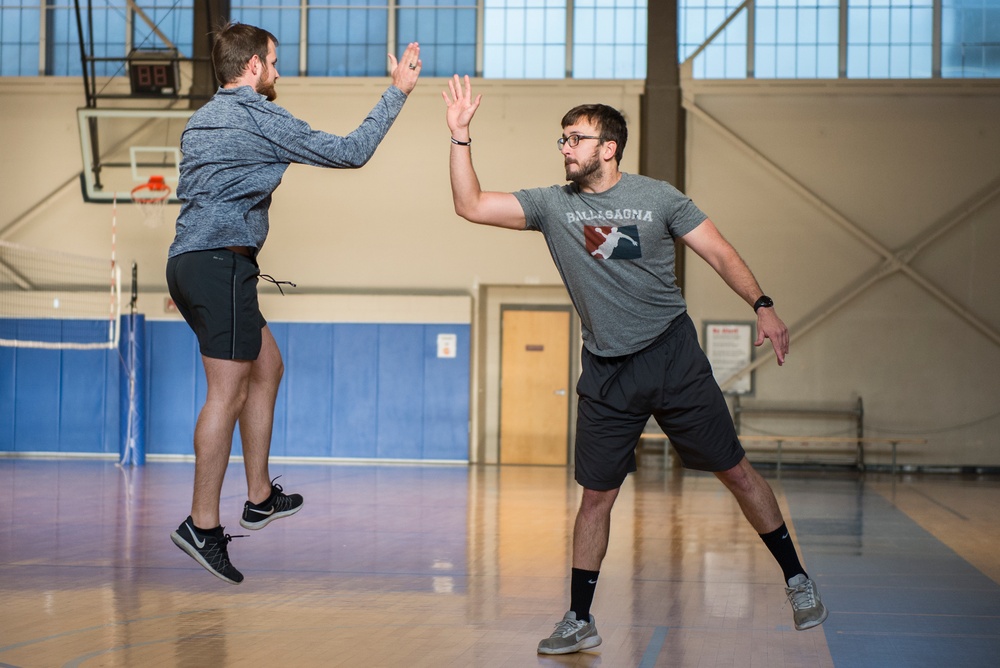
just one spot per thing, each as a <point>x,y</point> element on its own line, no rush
<point>269,74</point>
<point>265,86</point>
<point>580,167</point>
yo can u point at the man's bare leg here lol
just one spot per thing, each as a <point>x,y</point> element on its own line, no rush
<point>760,507</point>
<point>593,528</point>
<point>228,383</point>
<point>755,496</point>
<point>257,417</point>
<point>577,630</point>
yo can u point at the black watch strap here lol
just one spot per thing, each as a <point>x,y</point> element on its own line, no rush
<point>763,302</point>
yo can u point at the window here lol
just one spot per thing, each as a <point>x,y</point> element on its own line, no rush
<point>347,40</point>
<point>970,38</point>
<point>175,20</point>
<point>609,39</point>
<point>890,38</point>
<point>446,30</point>
<point>106,21</point>
<point>19,38</point>
<point>796,41</point>
<point>528,38</point>
<point>726,56</point>
<point>524,40</point>
<point>546,39</point>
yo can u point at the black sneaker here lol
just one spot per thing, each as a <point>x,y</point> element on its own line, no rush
<point>259,515</point>
<point>208,548</point>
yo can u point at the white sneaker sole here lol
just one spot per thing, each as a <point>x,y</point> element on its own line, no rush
<point>586,643</point>
<point>814,623</point>
<point>254,526</point>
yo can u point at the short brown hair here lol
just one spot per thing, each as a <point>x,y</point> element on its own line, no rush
<point>234,45</point>
<point>608,121</point>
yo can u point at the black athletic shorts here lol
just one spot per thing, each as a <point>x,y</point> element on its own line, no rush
<point>671,379</point>
<point>216,292</point>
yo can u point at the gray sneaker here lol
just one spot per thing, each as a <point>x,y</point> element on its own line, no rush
<point>807,608</point>
<point>571,635</point>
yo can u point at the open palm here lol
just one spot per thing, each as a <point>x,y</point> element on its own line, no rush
<point>461,106</point>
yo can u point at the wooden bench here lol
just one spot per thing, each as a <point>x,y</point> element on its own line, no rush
<point>853,411</point>
<point>654,436</point>
<point>860,441</point>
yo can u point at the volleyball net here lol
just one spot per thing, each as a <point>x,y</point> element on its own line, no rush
<point>55,300</point>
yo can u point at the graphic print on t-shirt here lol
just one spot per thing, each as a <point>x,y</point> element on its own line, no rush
<point>613,242</point>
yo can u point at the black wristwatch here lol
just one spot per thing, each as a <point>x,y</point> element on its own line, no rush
<point>763,302</point>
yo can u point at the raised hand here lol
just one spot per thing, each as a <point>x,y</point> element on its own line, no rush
<point>461,107</point>
<point>406,70</point>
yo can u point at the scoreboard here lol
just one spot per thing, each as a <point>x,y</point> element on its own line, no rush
<point>153,74</point>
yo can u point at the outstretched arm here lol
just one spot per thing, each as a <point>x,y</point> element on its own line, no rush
<point>471,203</point>
<point>711,246</point>
<point>295,141</point>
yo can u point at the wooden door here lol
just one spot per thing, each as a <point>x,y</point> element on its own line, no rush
<point>534,386</point>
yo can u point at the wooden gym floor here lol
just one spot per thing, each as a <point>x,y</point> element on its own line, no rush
<point>468,566</point>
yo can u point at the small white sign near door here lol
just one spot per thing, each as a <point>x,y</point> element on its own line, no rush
<point>446,345</point>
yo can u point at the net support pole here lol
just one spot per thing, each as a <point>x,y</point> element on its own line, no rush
<point>132,390</point>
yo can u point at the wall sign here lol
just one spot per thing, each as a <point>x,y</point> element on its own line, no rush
<point>446,345</point>
<point>729,349</point>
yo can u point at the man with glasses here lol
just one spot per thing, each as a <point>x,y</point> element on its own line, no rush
<point>641,356</point>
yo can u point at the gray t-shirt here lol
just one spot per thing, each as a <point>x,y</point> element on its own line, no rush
<point>615,253</point>
<point>236,149</point>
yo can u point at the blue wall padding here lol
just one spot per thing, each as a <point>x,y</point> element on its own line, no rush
<point>58,400</point>
<point>308,387</point>
<point>354,406</point>
<point>8,379</point>
<point>445,421</point>
<point>173,371</point>
<point>350,390</point>
<point>400,408</point>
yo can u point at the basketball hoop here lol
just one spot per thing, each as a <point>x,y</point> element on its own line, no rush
<point>151,197</point>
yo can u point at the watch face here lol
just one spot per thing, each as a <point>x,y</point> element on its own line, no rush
<point>763,302</point>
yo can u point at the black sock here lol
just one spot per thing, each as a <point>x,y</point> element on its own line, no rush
<point>217,531</point>
<point>582,586</point>
<point>781,546</point>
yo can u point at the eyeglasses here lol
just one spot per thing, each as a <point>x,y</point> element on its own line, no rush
<point>573,140</point>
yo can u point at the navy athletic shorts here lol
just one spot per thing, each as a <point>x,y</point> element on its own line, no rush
<point>216,292</point>
<point>671,379</point>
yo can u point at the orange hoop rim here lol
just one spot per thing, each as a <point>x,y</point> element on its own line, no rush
<point>156,184</point>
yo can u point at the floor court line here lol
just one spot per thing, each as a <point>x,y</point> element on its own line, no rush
<point>943,506</point>
<point>897,595</point>
<point>649,658</point>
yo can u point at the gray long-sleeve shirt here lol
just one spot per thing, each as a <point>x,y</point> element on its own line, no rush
<point>236,149</point>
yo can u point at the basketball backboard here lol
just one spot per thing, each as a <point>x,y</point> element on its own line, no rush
<point>122,148</point>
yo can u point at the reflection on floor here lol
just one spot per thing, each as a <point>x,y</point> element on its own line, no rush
<point>455,566</point>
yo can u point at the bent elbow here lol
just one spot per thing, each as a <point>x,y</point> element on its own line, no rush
<point>464,210</point>
<point>358,154</point>
<point>364,160</point>
<point>357,162</point>
<point>459,209</point>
